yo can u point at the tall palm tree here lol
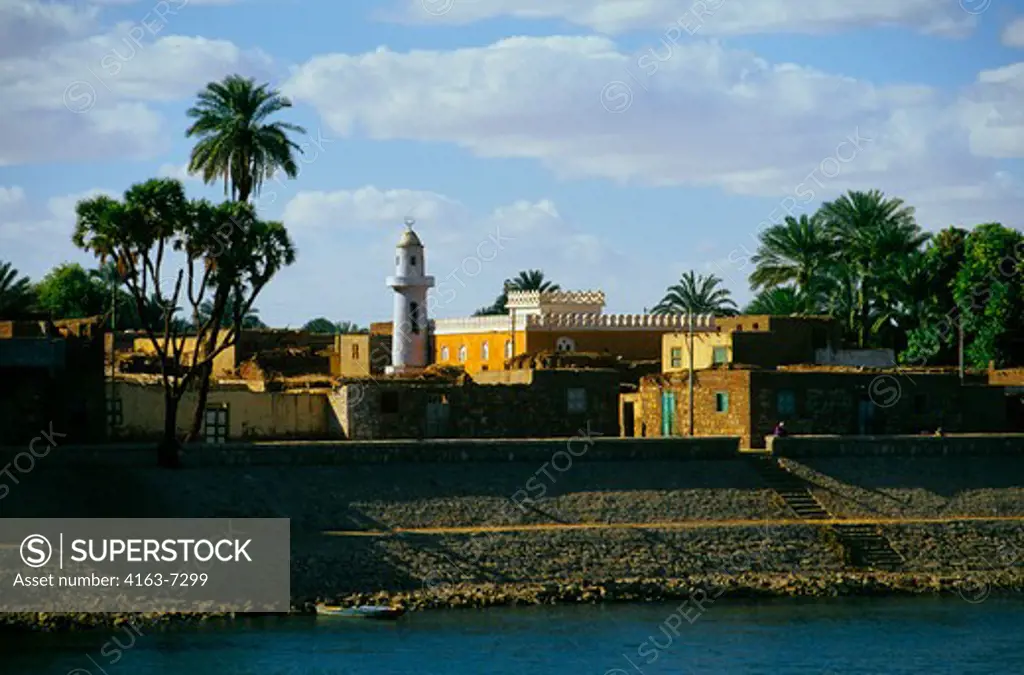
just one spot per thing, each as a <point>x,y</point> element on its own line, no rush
<point>871,231</point>
<point>239,145</point>
<point>236,143</point>
<point>794,251</point>
<point>16,294</point>
<point>778,301</point>
<point>696,294</point>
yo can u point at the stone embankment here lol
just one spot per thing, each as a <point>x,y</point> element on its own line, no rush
<point>348,544</point>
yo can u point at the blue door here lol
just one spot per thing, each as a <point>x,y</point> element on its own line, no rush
<point>668,413</point>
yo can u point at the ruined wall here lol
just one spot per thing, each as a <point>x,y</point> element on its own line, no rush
<point>873,403</point>
<point>537,408</point>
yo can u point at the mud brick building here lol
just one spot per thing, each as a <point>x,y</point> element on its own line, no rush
<point>748,402</point>
<point>503,404</point>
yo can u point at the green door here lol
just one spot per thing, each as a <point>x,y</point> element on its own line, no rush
<point>668,413</point>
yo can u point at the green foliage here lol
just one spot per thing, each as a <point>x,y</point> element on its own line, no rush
<point>989,292</point>
<point>325,326</point>
<point>236,142</point>
<point>798,251</point>
<point>696,294</point>
<point>778,301</point>
<point>68,291</point>
<point>17,297</point>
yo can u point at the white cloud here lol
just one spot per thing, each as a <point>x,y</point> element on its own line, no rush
<point>1013,34</point>
<point>90,95</point>
<point>346,242</point>
<point>708,17</point>
<point>38,236</point>
<point>29,26</point>
<point>11,198</point>
<point>710,116</point>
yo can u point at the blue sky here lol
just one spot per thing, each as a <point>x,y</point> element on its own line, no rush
<point>614,145</point>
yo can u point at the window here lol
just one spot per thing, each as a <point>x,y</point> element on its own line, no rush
<point>739,327</point>
<point>485,351</point>
<point>462,354</point>
<point>444,353</point>
<point>355,350</point>
<point>115,412</point>
<point>414,317</point>
<point>785,402</point>
<point>677,357</point>
<point>576,399</point>
<point>389,402</point>
<point>755,326</point>
<point>721,402</point>
<point>412,261</point>
<point>565,344</point>
<point>215,430</point>
<point>720,355</point>
<point>508,349</point>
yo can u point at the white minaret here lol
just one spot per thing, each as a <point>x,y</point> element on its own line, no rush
<point>409,339</point>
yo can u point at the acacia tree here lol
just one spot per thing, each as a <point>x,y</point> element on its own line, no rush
<point>217,246</point>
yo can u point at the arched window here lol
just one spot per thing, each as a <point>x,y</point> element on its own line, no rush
<point>462,353</point>
<point>508,349</point>
<point>565,344</point>
<point>485,351</point>
<point>444,353</point>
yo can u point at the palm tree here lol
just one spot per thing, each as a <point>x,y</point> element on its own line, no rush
<point>345,327</point>
<point>871,231</point>
<point>778,301</point>
<point>906,299</point>
<point>795,251</point>
<point>530,280</point>
<point>696,294</point>
<point>16,294</point>
<point>236,144</point>
<point>526,280</point>
<point>250,320</point>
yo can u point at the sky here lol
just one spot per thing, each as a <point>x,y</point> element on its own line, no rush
<point>615,145</point>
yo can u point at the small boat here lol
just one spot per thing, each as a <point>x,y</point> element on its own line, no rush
<point>380,612</point>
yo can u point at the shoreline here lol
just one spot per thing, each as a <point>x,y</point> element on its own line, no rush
<point>698,592</point>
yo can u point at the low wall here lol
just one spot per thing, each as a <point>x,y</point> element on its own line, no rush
<point>330,453</point>
<point>908,446</point>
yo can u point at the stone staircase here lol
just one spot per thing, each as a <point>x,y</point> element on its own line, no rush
<point>865,545</point>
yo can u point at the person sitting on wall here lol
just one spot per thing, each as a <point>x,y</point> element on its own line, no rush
<point>780,429</point>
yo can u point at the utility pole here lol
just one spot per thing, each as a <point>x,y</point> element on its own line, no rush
<point>960,349</point>
<point>689,320</point>
<point>113,352</point>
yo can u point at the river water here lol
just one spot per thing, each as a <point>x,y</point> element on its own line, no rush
<point>784,637</point>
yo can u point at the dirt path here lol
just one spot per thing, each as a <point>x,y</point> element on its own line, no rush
<point>670,525</point>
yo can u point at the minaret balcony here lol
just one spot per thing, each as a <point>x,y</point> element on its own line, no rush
<point>404,282</point>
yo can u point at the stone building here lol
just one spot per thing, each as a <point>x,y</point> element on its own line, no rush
<point>508,404</point>
<point>748,402</point>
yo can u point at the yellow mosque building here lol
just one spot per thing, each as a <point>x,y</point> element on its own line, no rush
<point>566,321</point>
